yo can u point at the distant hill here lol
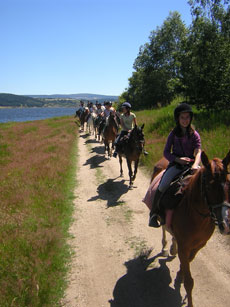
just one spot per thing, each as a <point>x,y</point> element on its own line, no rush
<point>72,100</point>
<point>10,100</point>
<point>84,96</point>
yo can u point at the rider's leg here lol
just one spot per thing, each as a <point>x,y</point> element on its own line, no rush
<point>167,178</point>
<point>117,142</point>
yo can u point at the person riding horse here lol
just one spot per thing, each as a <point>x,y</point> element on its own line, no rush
<point>81,109</point>
<point>108,109</point>
<point>127,121</point>
<point>183,151</point>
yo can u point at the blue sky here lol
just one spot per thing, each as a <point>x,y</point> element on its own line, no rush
<point>76,46</point>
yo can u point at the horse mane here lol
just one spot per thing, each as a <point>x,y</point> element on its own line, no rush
<point>193,190</point>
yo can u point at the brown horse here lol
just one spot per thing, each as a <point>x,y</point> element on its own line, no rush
<point>82,117</point>
<point>205,202</point>
<point>110,133</point>
<point>131,149</point>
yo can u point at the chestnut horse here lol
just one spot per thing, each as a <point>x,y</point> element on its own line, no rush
<point>110,133</point>
<point>204,204</point>
<point>131,149</point>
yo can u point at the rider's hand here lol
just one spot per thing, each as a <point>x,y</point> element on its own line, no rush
<point>183,160</point>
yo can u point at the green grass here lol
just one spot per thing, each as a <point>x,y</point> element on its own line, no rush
<point>36,195</point>
<point>212,127</point>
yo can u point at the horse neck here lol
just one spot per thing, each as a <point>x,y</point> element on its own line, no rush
<point>195,191</point>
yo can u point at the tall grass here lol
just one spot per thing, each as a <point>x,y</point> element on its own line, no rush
<point>214,129</point>
<point>36,192</point>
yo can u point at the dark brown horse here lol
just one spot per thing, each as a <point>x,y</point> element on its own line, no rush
<point>82,117</point>
<point>204,204</point>
<point>110,133</point>
<point>131,149</point>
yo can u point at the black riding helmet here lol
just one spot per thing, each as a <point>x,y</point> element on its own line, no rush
<point>126,105</point>
<point>182,108</point>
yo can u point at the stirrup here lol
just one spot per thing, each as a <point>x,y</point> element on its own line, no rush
<point>153,222</point>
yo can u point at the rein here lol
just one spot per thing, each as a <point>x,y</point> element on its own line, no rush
<point>204,189</point>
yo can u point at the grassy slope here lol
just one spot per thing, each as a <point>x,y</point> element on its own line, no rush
<point>213,128</point>
<point>37,178</point>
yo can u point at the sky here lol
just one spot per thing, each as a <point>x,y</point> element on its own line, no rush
<point>76,46</point>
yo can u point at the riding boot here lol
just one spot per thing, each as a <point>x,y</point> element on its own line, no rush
<point>154,213</point>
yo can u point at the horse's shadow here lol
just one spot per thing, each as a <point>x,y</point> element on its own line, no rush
<point>84,136</point>
<point>91,141</point>
<point>140,287</point>
<point>95,161</point>
<point>98,150</point>
<point>111,191</point>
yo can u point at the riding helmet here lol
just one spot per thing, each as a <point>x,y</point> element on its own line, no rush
<point>126,105</point>
<point>183,108</point>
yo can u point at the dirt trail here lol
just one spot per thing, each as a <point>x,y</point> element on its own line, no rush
<point>110,231</point>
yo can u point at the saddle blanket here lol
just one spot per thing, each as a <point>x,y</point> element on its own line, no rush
<point>149,196</point>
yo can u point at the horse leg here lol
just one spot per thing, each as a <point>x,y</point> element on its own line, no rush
<point>185,272</point>
<point>135,169</point>
<point>121,170</point>
<point>129,163</point>
<point>164,242</point>
<point>109,150</point>
<point>173,247</point>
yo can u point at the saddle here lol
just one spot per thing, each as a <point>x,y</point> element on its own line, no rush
<point>175,192</point>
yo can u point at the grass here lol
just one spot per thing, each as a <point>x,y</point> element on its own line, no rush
<point>36,195</point>
<point>212,127</point>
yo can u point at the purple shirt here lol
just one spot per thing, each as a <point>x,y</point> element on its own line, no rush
<point>181,146</point>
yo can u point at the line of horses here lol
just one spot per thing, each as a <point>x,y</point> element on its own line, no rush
<point>205,202</point>
<point>107,131</point>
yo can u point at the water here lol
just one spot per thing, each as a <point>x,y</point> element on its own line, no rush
<point>28,114</point>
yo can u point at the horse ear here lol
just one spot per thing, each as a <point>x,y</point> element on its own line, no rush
<point>142,127</point>
<point>226,160</point>
<point>204,159</point>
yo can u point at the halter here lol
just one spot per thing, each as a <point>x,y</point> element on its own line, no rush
<point>204,188</point>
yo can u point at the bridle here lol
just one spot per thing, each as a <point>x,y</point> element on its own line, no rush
<point>138,142</point>
<point>211,207</point>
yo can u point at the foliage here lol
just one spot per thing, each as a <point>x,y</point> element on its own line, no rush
<point>36,193</point>
<point>193,62</point>
<point>156,66</point>
<point>205,64</point>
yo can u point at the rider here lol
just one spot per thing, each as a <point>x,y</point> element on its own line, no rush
<point>107,111</point>
<point>128,120</point>
<point>82,107</point>
<point>182,150</point>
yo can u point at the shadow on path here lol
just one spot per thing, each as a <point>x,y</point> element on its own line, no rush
<point>95,161</point>
<point>111,191</point>
<point>140,287</point>
<point>100,150</point>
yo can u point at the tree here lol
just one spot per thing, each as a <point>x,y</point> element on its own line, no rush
<point>205,63</point>
<point>157,67</point>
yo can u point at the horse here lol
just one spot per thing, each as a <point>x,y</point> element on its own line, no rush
<point>110,133</point>
<point>90,122</point>
<point>97,123</point>
<point>82,117</point>
<point>205,203</point>
<point>131,149</point>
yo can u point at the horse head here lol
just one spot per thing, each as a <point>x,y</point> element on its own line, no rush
<point>215,186</point>
<point>137,137</point>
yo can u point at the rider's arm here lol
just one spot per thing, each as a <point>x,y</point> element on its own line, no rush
<point>135,121</point>
<point>168,146</point>
<point>197,155</point>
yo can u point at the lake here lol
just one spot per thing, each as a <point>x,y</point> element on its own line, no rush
<point>28,114</point>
